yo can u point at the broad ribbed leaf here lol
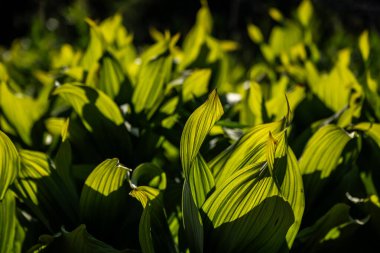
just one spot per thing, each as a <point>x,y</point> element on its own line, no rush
<point>100,115</point>
<point>192,221</point>
<point>104,195</point>
<point>196,129</point>
<point>247,213</point>
<point>111,76</point>
<point>22,111</point>
<point>253,107</point>
<point>200,180</point>
<point>84,99</point>
<point>9,227</point>
<point>150,175</point>
<point>196,84</point>
<point>152,77</point>
<point>77,241</point>
<point>370,129</point>
<point>320,157</point>
<point>9,163</point>
<point>154,233</point>
<point>329,227</point>
<point>41,188</point>
<point>364,45</point>
<point>249,149</point>
<point>95,47</point>
<point>334,88</point>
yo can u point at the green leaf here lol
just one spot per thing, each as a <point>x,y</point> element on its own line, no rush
<point>196,84</point>
<point>22,111</point>
<point>255,34</point>
<point>100,115</point>
<point>76,241</point>
<point>152,77</point>
<point>364,45</point>
<point>247,213</point>
<point>44,192</point>
<point>250,148</point>
<point>150,175</point>
<point>154,233</point>
<point>104,192</point>
<point>200,180</point>
<point>9,163</point>
<point>253,108</point>
<point>305,12</point>
<point>80,97</point>
<point>327,228</point>
<point>111,76</point>
<point>95,47</point>
<point>370,129</point>
<point>320,158</point>
<point>192,221</point>
<point>334,89</point>
<point>196,129</point>
<point>11,233</point>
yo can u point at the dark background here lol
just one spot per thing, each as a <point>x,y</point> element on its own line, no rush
<point>230,17</point>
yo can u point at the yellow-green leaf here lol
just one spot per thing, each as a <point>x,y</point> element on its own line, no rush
<point>9,163</point>
<point>22,111</point>
<point>370,129</point>
<point>111,76</point>
<point>196,84</point>
<point>196,129</point>
<point>305,12</point>
<point>364,45</point>
<point>255,33</point>
<point>104,192</point>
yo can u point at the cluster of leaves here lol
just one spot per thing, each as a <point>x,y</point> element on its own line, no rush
<point>181,148</point>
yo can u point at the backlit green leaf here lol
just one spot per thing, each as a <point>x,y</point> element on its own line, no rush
<point>196,129</point>
<point>364,45</point>
<point>104,195</point>
<point>370,129</point>
<point>9,163</point>
<point>9,225</point>
<point>22,111</point>
<point>255,33</point>
<point>41,188</point>
<point>196,84</point>
<point>321,156</point>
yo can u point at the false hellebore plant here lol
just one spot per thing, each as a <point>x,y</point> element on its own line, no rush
<point>247,198</point>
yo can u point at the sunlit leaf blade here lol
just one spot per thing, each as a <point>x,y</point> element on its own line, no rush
<point>192,220</point>
<point>95,47</point>
<point>305,12</point>
<point>253,107</point>
<point>255,33</point>
<point>104,192</point>
<point>154,234</point>
<point>270,152</point>
<point>331,226</point>
<point>196,84</point>
<point>320,157</point>
<point>151,79</point>
<point>9,224</point>
<point>194,40</point>
<point>83,99</point>
<point>370,129</point>
<point>333,89</point>
<point>149,174</point>
<point>364,45</point>
<point>9,163</point>
<point>247,213</point>
<point>201,180</point>
<point>40,187</point>
<point>249,149</point>
<point>111,76</point>
<point>22,111</point>
<point>100,115</point>
<point>77,241</point>
<point>196,129</point>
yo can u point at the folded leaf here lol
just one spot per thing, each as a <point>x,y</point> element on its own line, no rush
<point>9,163</point>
